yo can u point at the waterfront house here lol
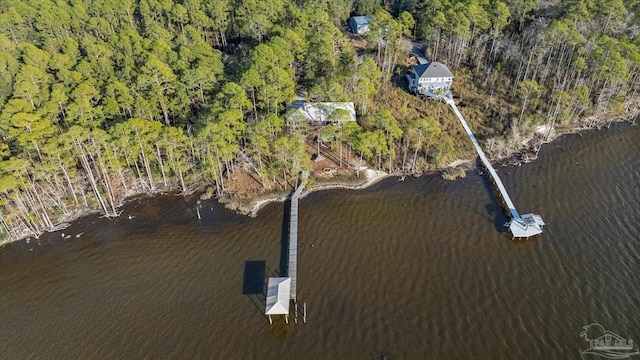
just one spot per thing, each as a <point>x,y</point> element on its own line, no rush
<point>359,25</point>
<point>430,79</point>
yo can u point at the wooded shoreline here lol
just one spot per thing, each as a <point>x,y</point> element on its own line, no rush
<point>516,158</point>
<point>254,203</point>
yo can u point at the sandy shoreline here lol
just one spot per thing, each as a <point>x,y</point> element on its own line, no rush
<point>373,177</point>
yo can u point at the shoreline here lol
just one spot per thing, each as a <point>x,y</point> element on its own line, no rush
<point>517,157</point>
<point>514,158</point>
<point>372,177</point>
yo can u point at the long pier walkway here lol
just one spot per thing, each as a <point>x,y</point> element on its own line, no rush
<point>521,226</point>
<point>293,237</point>
<point>281,290</point>
<point>485,161</point>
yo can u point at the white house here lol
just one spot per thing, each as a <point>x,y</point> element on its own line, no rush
<point>429,79</point>
<point>359,24</point>
<point>320,113</point>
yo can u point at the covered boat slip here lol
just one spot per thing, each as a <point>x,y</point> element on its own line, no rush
<point>278,297</point>
<point>281,290</point>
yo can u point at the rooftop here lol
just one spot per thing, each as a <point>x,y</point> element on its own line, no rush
<point>432,70</point>
<point>361,20</point>
<point>322,111</point>
<point>278,292</point>
<point>528,225</point>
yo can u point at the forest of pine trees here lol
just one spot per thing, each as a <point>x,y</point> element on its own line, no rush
<point>103,99</point>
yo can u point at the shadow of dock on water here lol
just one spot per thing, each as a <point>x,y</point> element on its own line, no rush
<point>253,282</point>
<point>253,279</point>
<point>284,237</point>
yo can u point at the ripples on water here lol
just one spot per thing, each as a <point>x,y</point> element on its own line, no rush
<point>408,270</point>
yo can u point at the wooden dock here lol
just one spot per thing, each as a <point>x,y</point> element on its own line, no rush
<point>281,290</point>
<point>487,164</point>
<point>520,226</point>
<point>292,269</point>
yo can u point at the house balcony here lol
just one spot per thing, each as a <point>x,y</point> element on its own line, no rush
<point>433,89</point>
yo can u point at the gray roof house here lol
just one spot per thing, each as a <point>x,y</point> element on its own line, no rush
<point>319,113</point>
<point>430,79</point>
<point>359,24</point>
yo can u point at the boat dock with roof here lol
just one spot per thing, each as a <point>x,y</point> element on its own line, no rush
<point>524,226</point>
<point>281,290</point>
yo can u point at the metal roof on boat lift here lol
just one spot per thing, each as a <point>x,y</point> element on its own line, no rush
<point>278,296</point>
